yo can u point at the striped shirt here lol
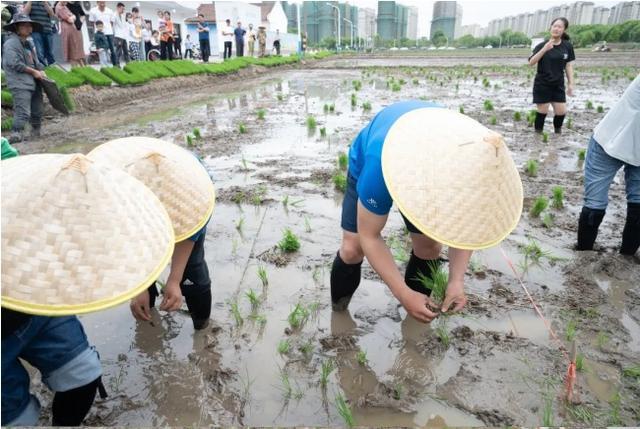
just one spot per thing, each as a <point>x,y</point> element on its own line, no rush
<point>39,14</point>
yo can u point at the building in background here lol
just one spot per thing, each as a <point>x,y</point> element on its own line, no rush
<point>367,25</point>
<point>291,10</point>
<point>412,23</point>
<point>600,15</point>
<point>625,11</point>
<point>474,30</point>
<point>320,20</point>
<point>393,20</point>
<point>447,18</point>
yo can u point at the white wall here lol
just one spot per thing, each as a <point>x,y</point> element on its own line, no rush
<point>277,19</point>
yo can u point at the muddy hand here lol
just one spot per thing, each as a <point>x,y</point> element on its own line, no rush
<point>418,305</point>
<point>172,297</point>
<point>140,307</point>
<point>455,297</point>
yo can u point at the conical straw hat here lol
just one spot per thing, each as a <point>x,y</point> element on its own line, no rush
<point>77,236</point>
<point>452,177</point>
<point>172,173</point>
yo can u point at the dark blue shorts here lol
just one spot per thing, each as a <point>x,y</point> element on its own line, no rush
<point>349,220</point>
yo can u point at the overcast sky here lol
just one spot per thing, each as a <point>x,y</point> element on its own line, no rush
<point>473,11</point>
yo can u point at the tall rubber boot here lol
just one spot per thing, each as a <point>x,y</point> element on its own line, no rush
<point>423,266</point>
<point>71,407</point>
<point>631,232</point>
<point>345,279</point>
<point>588,225</point>
<point>557,123</point>
<point>539,122</point>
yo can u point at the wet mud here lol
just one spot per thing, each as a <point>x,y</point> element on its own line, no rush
<point>494,364</point>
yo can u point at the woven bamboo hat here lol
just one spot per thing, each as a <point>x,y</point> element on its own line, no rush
<point>452,177</point>
<point>77,236</point>
<point>172,173</point>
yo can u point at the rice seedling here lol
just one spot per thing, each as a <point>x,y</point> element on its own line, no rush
<point>340,181</point>
<point>260,319</point>
<point>307,348</point>
<point>531,117</point>
<point>539,205</point>
<point>582,154</point>
<point>416,82</point>
<point>287,388</point>
<point>298,316</point>
<point>189,140</point>
<point>557,202</point>
<point>366,106</point>
<point>533,255</point>
<point>396,87</point>
<point>531,167</point>
<point>443,333</point>
<point>323,132</point>
<point>196,133</point>
<point>602,340</point>
<point>361,357</point>
<point>284,346</point>
<point>261,114</point>
<point>280,97</point>
<point>547,220</point>
<point>517,116</point>
<point>242,128</point>
<point>239,224</point>
<point>437,283</point>
<point>632,371</point>
<point>354,100</point>
<point>344,410</point>
<point>332,108</point>
<point>357,85</point>
<point>343,161</point>
<point>326,369</point>
<point>570,123</point>
<point>589,105</point>
<point>614,411</point>
<point>545,137</point>
<point>493,120</point>
<point>461,109</point>
<point>547,412</point>
<point>307,224</point>
<point>253,298</point>
<point>581,413</point>
<point>311,122</point>
<point>486,83</point>
<point>398,388</point>
<point>289,242</point>
<point>235,311</point>
<point>262,275</point>
<point>326,108</point>
<point>570,332</point>
<point>488,105</point>
<point>244,163</point>
<point>402,81</point>
<point>579,362</point>
<point>600,109</point>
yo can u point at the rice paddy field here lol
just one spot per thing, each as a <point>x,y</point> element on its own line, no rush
<point>275,354</point>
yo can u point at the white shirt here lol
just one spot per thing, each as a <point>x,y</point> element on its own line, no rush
<point>146,35</point>
<point>619,131</point>
<point>121,26</point>
<point>229,36</point>
<point>106,16</point>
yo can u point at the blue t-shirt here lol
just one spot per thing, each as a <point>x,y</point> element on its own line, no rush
<point>239,33</point>
<point>365,164</point>
<point>203,35</point>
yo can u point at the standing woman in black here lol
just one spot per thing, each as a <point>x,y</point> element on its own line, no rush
<point>553,58</point>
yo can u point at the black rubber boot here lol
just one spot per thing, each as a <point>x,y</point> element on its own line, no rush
<point>345,279</point>
<point>423,266</point>
<point>539,123</point>
<point>558,120</point>
<point>588,225</point>
<point>199,306</point>
<point>71,407</point>
<point>631,232</point>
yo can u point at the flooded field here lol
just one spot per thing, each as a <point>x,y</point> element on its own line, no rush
<point>494,364</point>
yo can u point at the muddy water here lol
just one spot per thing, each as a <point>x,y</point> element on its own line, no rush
<point>501,360</point>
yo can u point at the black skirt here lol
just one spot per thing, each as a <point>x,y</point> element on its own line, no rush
<point>548,93</point>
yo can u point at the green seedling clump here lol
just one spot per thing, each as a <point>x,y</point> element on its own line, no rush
<point>196,133</point>
<point>547,220</point>
<point>461,109</point>
<point>325,371</point>
<point>396,87</point>
<point>632,371</point>
<point>361,357</point>
<point>284,346</point>
<point>589,105</point>
<point>531,117</point>
<point>437,283</point>
<point>242,128</point>
<point>539,205</point>
<point>280,97</point>
<point>289,242</point>
<point>600,109</point>
<point>582,154</point>
<point>235,311</point>
<point>189,140</point>
<point>298,316</point>
<point>545,137</point>
<point>532,168</point>
<point>493,120</point>
<point>262,275</point>
<point>354,100</point>
<point>323,132</point>
<point>443,333</point>
<point>340,181</point>
<point>570,334</point>
<point>488,105</point>
<point>357,85</point>
<point>570,123</point>
<point>366,106</point>
<point>332,108</point>
<point>311,123</point>
<point>533,255</point>
<point>517,116</point>
<point>326,108</point>
<point>558,197</point>
<point>343,161</point>
<point>416,82</point>
<point>261,113</point>
<point>345,411</point>
<point>579,362</point>
<point>253,298</point>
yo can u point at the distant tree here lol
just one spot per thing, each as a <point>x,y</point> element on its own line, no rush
<point>438,38</point>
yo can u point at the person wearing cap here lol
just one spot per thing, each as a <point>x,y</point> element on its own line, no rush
<point>23,71</point>
<point>182,183</point>
<point>454,184</point>
<point>66,250</point>
<point>262,41</point>
<point>615,144</point>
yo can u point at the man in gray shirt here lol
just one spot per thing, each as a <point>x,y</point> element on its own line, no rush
<point>615,144</point>
<point>23,71</point>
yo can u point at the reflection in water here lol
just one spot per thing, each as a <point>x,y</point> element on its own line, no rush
<point>243,100</point>
<point>232,103</point>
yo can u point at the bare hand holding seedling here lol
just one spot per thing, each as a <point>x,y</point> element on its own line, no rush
<point>455,297</point>
<point>418,305</point>
<point>140,307</point>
